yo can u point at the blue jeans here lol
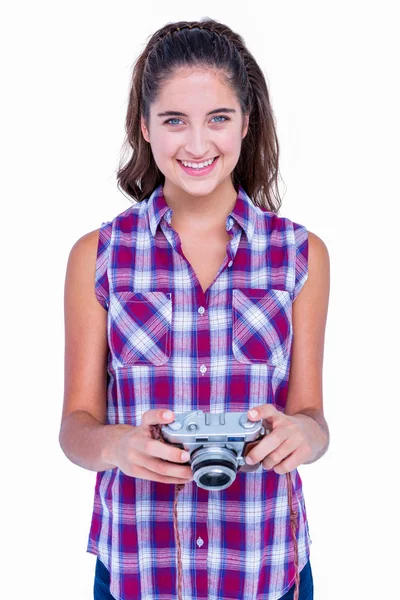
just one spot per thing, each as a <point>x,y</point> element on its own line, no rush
<point>102,584</point>
<point>306,591</point>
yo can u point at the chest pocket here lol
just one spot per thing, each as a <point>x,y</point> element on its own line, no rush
<point>261,325</point>
<point>140,328</point>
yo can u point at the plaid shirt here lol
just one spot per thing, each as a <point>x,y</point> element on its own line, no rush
<point>172,346</point>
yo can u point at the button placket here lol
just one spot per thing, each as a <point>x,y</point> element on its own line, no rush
<point>203,349</point>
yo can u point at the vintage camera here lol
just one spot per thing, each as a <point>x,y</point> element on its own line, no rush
<point>217,444</point>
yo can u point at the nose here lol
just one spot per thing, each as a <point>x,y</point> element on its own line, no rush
<point>198,144</point>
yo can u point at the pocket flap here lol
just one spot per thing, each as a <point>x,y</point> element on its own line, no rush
<point>140,327</point>
<point>261,325</point>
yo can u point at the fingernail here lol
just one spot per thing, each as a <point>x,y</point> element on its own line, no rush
<point>167,414</point>
<point>253,413</point>
<point>185,456</point>
<point>249,460</point>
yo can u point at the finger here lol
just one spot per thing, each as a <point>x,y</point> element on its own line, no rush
<point>156,416</point>
<point>144,473</point>
<point>264,411</point>
<point>165,468</point>
<point>166,451</point>
<point>290,463</point>
<point>267,445</point>
<point>281,453</point>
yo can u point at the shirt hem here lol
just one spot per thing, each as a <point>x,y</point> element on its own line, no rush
<point>302,564</point>
<point>93,549</point>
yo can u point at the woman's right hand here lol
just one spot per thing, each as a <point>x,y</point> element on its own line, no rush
<point>138,454</point>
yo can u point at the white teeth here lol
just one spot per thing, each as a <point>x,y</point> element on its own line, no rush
<point>198,165</point>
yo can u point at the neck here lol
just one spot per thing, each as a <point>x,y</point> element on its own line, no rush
<point>200,213</point>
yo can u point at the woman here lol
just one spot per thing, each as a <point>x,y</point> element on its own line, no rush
<point>197,297</point>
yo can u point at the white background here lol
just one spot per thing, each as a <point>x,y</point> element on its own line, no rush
<point>332,69</point>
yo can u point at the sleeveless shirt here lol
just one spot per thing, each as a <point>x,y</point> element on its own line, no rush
<point>173,346</point>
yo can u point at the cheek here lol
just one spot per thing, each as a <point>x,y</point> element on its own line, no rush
<point>169,147</point>
<point>229,145</point>
<point>164,147</point>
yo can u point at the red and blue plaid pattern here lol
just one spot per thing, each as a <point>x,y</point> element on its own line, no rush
<point>173,346</point>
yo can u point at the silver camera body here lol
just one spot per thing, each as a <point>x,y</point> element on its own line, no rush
<point>217,444</point>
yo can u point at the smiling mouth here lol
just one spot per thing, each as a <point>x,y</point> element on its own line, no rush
<point>198,163</point>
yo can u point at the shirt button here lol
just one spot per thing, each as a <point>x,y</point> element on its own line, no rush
<point>199,542</point>
<point>230,263</point>
<point>203,369</point>
<point>201,310</point>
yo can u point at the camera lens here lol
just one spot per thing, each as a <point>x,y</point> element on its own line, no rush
<point>214,473</point>
<point>214,479</point>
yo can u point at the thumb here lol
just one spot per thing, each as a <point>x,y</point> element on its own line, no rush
<point>265,411</point>
<point>156,416</point>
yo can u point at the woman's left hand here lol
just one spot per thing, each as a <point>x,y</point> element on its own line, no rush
<point>292,441</point>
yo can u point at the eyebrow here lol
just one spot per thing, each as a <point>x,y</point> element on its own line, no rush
<point>175,113</point>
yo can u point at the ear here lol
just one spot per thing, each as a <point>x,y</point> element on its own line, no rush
<point>245,125</point>
<point>144,129</point>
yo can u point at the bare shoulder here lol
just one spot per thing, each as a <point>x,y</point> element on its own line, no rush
<point>82,257</point>
<point>85,246</point>
<point>80,276</point>
<point>317,249</point>
<point>318,266</point>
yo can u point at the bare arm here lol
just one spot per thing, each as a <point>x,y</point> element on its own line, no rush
<point>84,437</point>
<point>310,311</point>
<point>88,443</point>
<point>300,435</point>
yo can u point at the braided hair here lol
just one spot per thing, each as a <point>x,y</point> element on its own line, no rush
<point>205,44</point>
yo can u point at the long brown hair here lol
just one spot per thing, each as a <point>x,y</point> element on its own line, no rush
<point>202,44</point>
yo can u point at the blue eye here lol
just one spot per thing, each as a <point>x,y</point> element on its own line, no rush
<point>168,122</point>
<point>221,117</point>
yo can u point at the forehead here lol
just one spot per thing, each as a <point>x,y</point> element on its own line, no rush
<point>195,90</point>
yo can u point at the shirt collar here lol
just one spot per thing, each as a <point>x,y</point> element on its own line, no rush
<point>244,211</point>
